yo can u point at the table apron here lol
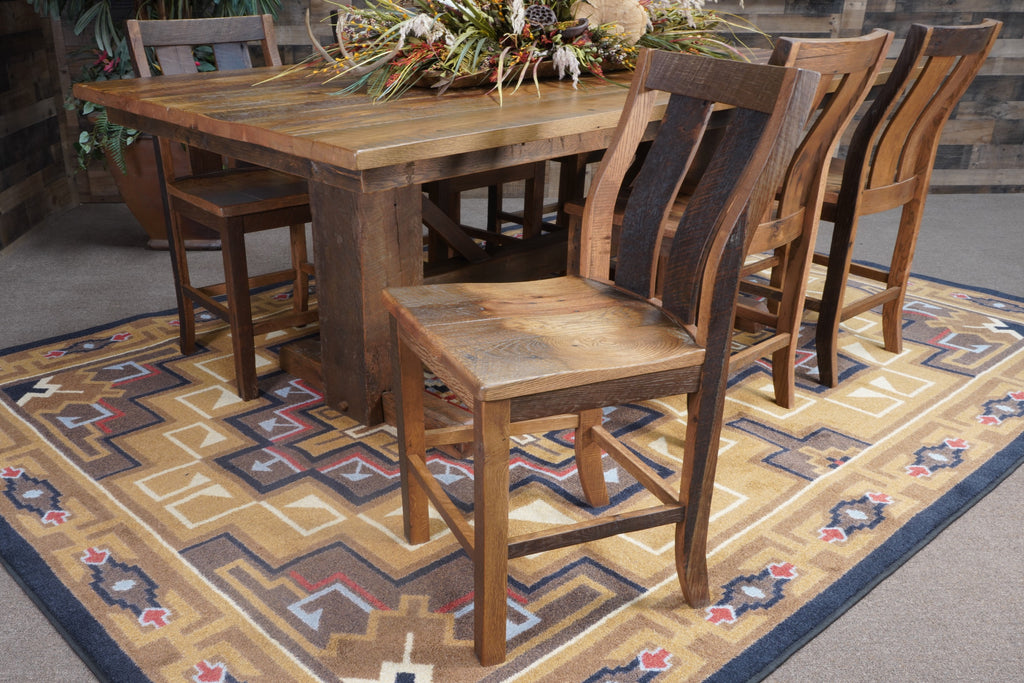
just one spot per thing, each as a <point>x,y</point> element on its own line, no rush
<point>381,178</point>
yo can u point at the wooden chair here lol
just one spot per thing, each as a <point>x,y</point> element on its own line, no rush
<point>888,165</point>
<point>783,241</point>
<point>849,67</point>
<point>523,354</point>
<point>233,201</point>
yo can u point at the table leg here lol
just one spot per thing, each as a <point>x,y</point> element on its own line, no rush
<point>362,243</point>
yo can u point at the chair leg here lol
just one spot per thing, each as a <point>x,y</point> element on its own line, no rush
<point>450,202</point>
<point>243,344</point>
<point>411,431</point>
<point>784,374</point>
<point>826,335</point>
<point>572,173</point>
<point>588,459</point>
<point>572,228</point>
<point>300,257</point>
<point>892,322</point>
<point>899,274</point>
<point>182,281</point>
<point>490,533</point>
<point>792,282</point>
<point>778,275</point>
<point>533,202</point>
<point>495,204</point>
<point>700,459</point>
<point>830,312</point>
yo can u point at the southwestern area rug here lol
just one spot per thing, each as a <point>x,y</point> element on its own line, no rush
<point>174,532</point>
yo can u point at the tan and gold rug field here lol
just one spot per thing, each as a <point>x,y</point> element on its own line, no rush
<point>174,532</point>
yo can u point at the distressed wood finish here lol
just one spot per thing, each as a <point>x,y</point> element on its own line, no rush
<point>232,202</point>
<point>537,350</point>
<point>790,229</point>
<point>305,126</point>
<point>849,67</point>
<point>888,165</point>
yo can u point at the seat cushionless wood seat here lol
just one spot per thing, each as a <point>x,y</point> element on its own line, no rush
<point>529,357</point>
<point>233,201</point>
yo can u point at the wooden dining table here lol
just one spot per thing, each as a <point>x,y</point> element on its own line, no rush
<point>365,162</point>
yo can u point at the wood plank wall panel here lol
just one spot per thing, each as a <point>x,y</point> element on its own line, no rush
<point>33,172</point>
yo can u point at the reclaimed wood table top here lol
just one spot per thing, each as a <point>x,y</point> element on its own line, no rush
<point>290,112</point>
<point>295,114</point>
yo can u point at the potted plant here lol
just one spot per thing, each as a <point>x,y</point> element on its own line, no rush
<point>132,165</point>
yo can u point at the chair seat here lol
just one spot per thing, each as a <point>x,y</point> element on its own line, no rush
<point>238,192</point>
<point>573,332</point>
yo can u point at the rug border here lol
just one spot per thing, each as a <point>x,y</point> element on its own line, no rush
<point>72,621</point>
<point>771,650</point>
<point>89,330</point>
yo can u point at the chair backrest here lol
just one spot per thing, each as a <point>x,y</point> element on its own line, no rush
<point>849,67</point>
<point>173,41</point>
<point>898,137</point>
<point>770,105</point>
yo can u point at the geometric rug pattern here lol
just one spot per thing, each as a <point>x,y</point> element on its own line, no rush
<point>175,532</point>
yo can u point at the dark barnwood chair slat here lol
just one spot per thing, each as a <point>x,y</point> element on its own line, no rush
<point>789,228</point>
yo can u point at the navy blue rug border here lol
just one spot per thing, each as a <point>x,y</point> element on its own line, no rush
<point>95,329</point>
<point>83,634</point>
<point>773,649</point>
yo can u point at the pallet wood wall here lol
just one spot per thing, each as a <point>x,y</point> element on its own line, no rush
<point>33,167</point>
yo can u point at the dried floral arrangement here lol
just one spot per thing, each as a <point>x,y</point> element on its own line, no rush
<point>388,47</point>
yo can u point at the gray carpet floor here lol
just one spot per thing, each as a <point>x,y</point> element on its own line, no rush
<point>953,612</point>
